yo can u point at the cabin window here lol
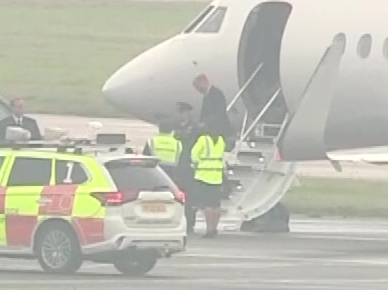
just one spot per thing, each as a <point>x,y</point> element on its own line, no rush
<point>198,19</point>
<point>340,38</point>
<point>364,46</point>
<point>214,22</point>
<point>385,48</point>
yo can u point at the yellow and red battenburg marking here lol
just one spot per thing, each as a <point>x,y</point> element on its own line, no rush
<point>19,229</point>
<point>61,199</point>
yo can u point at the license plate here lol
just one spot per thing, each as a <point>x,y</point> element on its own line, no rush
<point>153,207</point>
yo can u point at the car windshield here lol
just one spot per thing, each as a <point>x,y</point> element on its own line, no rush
<point>138,176</point>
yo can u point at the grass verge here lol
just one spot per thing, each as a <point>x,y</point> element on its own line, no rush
<point>58,54</point>
<point>316,197</point>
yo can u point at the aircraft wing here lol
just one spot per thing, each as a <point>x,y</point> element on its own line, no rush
<point>373,155</point>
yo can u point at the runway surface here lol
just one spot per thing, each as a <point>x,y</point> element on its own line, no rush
<point>339,255</point>
<point>139,131</point>
<point>318,254</point>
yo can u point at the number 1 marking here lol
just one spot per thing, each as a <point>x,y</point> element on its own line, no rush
<point>70,166</point>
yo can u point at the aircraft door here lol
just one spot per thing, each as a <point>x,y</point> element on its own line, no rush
<point>260,43</point>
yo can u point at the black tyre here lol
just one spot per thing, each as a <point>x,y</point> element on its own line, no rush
<point>58,250</point>
<point>136,264</point>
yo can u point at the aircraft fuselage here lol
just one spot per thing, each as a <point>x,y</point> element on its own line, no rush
<point>289,38</point>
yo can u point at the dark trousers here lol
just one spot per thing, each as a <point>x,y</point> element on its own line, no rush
<point>190,205</point>
<point>191,215</point>
<point>185,181</point>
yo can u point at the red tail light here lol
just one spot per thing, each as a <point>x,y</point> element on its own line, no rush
<point>115,197</point>
<point>179,196</point>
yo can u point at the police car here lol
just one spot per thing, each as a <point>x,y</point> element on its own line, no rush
<point>66,202</point>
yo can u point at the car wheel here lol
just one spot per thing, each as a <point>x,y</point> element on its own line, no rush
<point>136,264</point>
<point>58,250</point>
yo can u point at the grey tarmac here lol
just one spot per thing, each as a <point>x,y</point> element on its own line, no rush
<point>317,254</point>
<point>138,132</point>
<point>354,258</point>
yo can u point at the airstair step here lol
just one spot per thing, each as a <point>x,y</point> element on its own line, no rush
<point>253,159</point>
<point>251,153</point>
<point>271,129</point>
<point>261,139</point>
<point>243,167</point>
<point>257,147</point>
<point>244,173</point>
<point>235,184</point>
<point>234,181</point>
<point>274,172</point>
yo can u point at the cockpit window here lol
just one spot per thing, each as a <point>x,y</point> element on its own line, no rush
<point>198,20</point>
<point>214,21</point>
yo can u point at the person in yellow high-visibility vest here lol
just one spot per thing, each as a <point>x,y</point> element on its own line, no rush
<point>207,158</point>
<point>165,147</point>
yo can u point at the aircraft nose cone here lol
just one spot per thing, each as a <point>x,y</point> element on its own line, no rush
<point>140,78</point>
<point>151,83</point>
<point>128,82</point>
<point>116,88</point>
<point>131,88</point>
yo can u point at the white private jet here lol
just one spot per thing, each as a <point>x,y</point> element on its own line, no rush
<point>230,39</point>
<point>317,68</point>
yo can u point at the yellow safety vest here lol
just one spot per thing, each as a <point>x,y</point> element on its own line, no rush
<point>166,148</point>
<point>207,157</point>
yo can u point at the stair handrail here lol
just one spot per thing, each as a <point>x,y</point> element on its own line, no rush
<point>270,162</point>
<point>240,141</point>
<point>260,115</point>
<point>240,92</point>
<point>282,128</point>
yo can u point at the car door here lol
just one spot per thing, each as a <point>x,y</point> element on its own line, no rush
<point>74,180</point>
<point>27,178</point>
<point>57,199</point>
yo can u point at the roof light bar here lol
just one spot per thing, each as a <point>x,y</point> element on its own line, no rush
<point>58,138</point>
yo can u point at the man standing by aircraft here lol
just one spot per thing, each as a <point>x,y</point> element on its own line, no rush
<point>207,159</point>
<point>187,132</point>
<point>166,147</point>
<point>213,105</point>
<point>18,119</point>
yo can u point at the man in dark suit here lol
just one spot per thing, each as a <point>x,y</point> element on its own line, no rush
<point>19,119</point>
<point>187,132</point>
<point>214,104</point>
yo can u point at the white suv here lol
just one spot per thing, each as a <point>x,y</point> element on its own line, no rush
<point>64,207</point>
<point>150,221</point>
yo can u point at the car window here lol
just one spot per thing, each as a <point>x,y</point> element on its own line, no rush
<point>127,176</point>
<point>69,172</point>
<point>30,172</point>
<point>2,158</point>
